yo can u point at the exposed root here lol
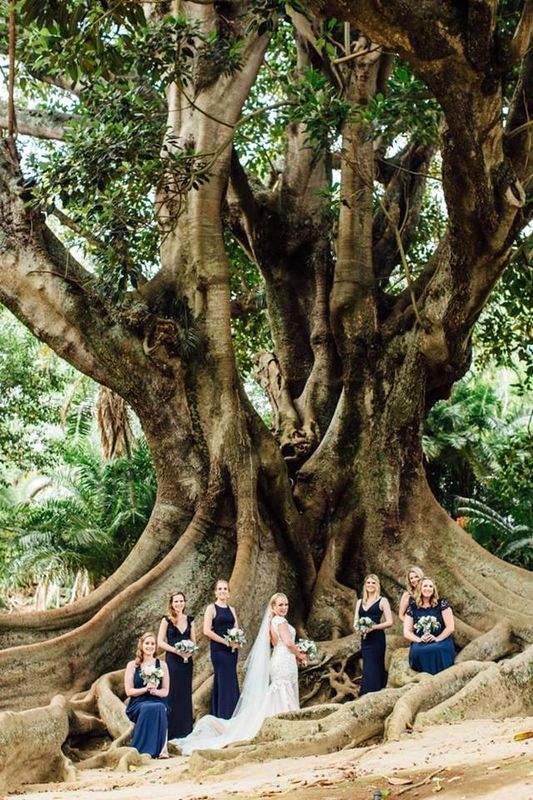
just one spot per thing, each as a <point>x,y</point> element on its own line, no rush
<point>118,758</point>
<point>490,646</point>
<point>33,739</point>
<point>400,673</point>
<point>434,689</point>
<point>350,724</point>
<point>503,689</point>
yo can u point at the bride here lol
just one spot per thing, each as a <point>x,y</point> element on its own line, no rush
<point>270,686</point>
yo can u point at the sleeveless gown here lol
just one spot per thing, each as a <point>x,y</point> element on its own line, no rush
<point>431,657</point>
<point>373,650</point>
<point>150,715</point>
<point>180,692</point>
<point>283,694</point>
<point>224,660</point>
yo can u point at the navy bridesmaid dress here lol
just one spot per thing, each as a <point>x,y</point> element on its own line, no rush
<point>431,657</point>
<point>373,651</point>
<point>180,692</point>
<point>150,715</point>
<point>224,660</point>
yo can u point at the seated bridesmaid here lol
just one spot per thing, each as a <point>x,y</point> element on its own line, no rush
<point>412,579</point>
<point>429,626</point>
<point>147,706</point>
<point>176,627</point>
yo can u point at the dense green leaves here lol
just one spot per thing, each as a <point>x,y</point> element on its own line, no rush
<point>478,446</point>
<point>88,517</point>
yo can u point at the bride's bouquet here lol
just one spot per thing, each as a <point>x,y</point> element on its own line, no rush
<point>151,675</point>
<point>364,625</point>
<point>235,636</point>
<point>427,624</point>
<point>308,647</point>
<point>186,648</point>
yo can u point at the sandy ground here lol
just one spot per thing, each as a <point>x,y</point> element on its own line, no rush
<point>472,760</point>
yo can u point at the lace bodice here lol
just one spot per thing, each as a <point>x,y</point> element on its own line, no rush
<point>275,623</point>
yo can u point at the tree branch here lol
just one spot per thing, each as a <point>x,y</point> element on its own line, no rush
<point>522,36</point>
<point>40,124</point>
<point>53,295</point>
<point>78,229</point>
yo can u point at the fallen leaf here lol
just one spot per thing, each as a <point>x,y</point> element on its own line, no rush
<point>520,737</point>
<point>399,781</point>
<point>495,766</point>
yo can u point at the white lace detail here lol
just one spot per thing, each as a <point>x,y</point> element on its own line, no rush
<point>283,688</point>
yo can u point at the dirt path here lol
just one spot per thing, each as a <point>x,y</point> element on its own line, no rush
<point>473,760</point>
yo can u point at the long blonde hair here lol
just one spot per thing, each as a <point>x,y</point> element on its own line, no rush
<point>418,592</point>
<point>171,613</point>
<point>140,642</point>
<point>274,598</point>
<point>419,571</point>
<point>365,592</point>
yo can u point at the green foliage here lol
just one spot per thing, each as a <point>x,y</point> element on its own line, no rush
<point>36,386</point>
<point>478,446</point>
<point>497,533</point>
<point>502,335</point>
<point>406,109</point>
<point>89,518</point>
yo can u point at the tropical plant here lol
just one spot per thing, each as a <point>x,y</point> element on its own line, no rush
<point>496,532</point>
<point>88,519</point>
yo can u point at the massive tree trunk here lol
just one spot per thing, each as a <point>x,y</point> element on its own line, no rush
<point>338,488</point>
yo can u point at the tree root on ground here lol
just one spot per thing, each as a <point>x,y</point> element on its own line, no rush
<point>38,738</point>
<point>490,646</point>
<point>429,693</point>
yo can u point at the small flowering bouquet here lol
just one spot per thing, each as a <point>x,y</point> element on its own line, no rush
<point>364,625</point>
<point>151,675</point>
<point>427,624</point>
<point>186,648</point>
<point>308,647</point>
<point>235,636</point>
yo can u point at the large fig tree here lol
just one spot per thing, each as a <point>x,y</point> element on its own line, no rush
<point>245,169</point>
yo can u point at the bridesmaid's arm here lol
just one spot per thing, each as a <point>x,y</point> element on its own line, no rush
<point>208,622</point>
<point>165,683</point>
<point>128,682</point>
<point>162,638</point>
<point>408,630</point>
<point>387,613</point>
<point>402,608</point>
<point>193,632</point>
<point>449,625</point>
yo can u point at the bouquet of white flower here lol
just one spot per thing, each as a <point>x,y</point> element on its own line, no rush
<point>308,647</point>
<point>186,648</point>
<point>364,625</point>
<point>427,624</point>
<point>235,636</point>
<point>151,675</point>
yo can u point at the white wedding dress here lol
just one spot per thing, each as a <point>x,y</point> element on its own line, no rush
<point>283,688</point>
<point>270,687</point>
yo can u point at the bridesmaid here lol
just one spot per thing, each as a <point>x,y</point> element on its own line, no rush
<point>429,652</point>
<point>147,707</point>
<point>376,607</point>
<point>412,579</point>
<point>219,617</point>
<point>175,627</point>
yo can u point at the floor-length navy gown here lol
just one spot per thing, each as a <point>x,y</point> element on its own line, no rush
<point>431,657</point>
<point>150,715</point>
<point>224,659</point>
<point>373,650</point>
<point>180,692</point>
